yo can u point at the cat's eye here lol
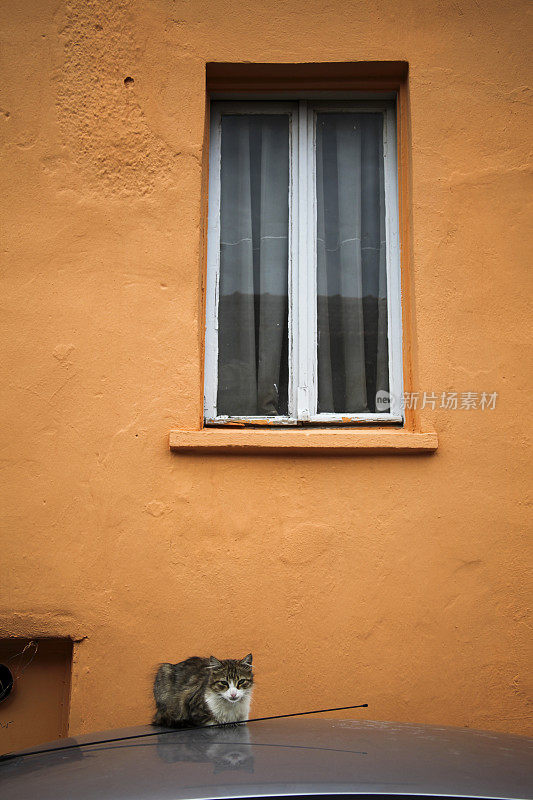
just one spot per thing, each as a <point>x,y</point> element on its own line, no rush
<point>223,684</point>
<point>241,683</point>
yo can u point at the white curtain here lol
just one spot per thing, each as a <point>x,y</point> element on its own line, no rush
<point>351,266</point>
<point>253,307</point>
<point>351,273</point>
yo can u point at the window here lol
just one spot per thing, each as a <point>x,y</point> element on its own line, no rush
<point>303,318</point>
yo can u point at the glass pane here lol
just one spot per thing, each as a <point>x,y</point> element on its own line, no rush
<point>351,265</point>
<point>253,372</point>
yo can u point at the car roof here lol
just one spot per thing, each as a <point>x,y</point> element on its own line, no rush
<point>299,757</point>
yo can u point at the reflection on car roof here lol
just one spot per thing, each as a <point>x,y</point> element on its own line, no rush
<point>312,756</point>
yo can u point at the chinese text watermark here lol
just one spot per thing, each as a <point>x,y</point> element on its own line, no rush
<point>452,401</point>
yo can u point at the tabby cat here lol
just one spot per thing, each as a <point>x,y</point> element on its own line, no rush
<point>203,691</point>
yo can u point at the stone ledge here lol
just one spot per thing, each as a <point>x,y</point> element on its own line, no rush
<point>314,441</point>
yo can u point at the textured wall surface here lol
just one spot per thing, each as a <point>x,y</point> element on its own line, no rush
<point>396,580</point>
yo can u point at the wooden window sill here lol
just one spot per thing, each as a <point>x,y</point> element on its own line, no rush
<point>313,441</point>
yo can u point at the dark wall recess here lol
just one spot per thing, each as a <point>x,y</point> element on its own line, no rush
<point>6,682</point>
<point>34,691</point>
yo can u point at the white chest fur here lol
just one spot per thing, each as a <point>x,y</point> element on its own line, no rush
<point>224,710</point>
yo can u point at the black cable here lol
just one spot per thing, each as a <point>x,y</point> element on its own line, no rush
<point>10,756</point>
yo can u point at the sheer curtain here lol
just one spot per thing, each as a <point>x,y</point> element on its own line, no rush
<point>253,292</point>
<point>351,266</point>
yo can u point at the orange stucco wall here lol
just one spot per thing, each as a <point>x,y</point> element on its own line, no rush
<point>397,580</point>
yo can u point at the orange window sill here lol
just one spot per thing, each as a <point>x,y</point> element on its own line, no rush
<point>313,441</point>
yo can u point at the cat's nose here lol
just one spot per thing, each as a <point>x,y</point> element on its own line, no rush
<point>233,695</point>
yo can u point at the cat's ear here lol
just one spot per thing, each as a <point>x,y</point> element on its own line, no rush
<point>247,660</point>
<point>214,662</point>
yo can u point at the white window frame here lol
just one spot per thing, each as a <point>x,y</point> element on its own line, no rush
<point>302,283</point>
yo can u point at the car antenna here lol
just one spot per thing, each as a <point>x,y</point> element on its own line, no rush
<point>10,756</point>
<point>297,714</point>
